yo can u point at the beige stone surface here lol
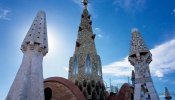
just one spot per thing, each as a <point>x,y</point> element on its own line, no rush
<point>28,83</point>
<point>140,57</point>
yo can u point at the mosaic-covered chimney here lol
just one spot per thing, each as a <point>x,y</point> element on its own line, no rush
<point>140,57</point>
<point>28,83</point>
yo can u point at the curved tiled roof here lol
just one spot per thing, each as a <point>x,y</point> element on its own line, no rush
<point>123,90</point>
<point>73,88</point>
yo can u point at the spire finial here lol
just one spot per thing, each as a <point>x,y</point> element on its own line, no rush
<point>134,30</point>
<point>85,3</point>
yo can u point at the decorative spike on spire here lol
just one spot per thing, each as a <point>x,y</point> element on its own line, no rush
<point>167,94</point>
<point>137,43</point>
<point>37,33</point>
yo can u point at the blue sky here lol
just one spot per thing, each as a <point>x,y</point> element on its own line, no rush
<point>112,22</point>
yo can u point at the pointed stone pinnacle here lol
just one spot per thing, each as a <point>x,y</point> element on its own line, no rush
<point>140,57</point>
<point>86,23</point>
<point>137,43</point>
<point>28,83</point>
<point>37,33</point>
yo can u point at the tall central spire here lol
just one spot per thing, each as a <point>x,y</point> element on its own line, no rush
<point>85,68</point>
<point>86,22</point>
